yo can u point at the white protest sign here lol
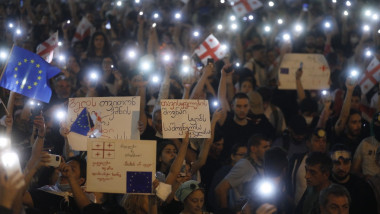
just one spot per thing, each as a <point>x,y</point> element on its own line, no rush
<point>120,166</point>
<point>316,72</point>
<point>112,118</point>
<point>180,116</point>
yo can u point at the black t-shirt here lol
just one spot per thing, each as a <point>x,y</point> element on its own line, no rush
<point>49,203</point>
<point>234,133</point>
<point>362,197</point>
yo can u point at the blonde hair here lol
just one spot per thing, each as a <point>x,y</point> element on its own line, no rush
<point>135,203</point>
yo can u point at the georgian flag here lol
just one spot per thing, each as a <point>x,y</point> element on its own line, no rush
<point>46,49</point>
<point>83,30</point>
<point>371,76</point>
<point>210,48</point>
<point>242,7</point>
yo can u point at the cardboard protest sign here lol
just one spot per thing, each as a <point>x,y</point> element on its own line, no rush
<point>108,117</point>
<point>316,72</point>
<point>120,166</point>
<point>180,116</point>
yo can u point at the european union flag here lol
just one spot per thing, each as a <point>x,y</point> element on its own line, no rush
<point>82,124</point>
<point>139,182</point>
<point>28,74</point>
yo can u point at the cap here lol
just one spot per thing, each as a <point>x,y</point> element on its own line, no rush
<point>346,155</point>
<point>319,132</point>
<point>186,189</point>
<point>256,102</point>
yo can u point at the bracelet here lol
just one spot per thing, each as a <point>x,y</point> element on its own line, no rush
<point>39,136</point>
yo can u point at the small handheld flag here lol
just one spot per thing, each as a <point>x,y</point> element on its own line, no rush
<point>82,124</point>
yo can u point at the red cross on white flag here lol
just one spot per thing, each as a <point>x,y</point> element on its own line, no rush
<point>242,7</point>
<point>103,150</point>
<point>371,76</point>
<point>46,49</point>
<point>83,30</point>
<point>210,48</point>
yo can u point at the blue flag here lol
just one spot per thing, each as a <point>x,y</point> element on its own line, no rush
<point>139,182</point>
<point>82,124</point>
<point>28,74</point>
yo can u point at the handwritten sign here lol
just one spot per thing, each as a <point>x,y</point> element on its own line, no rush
<point>120,166</point>
<point>316,72</point>
<point>180,116</point>
<point>111,118</point>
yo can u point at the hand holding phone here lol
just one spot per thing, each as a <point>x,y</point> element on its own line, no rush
<point>55,160</point>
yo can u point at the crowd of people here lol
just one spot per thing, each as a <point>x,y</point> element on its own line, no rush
<point>270,151</point>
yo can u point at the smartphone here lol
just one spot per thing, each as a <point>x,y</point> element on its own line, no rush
<point>301,65</point>
<point>55,160</point>
<point>305,7</point>
<point>36,110</point>
<point>183,169</point>
<point>197,60</point>
<point>210,61</point>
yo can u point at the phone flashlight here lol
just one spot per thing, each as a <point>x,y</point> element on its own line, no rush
<point>10,25</point>
<point>94,76</point>
<point>215,103</point>
<point>185,57</point>
<point>368,53</point>
<point>137,1</point>
<point>232,18</point>
<point>220,27</point>
<point>177,16</point>
<point>141,13</point>
<point>154,25</point>
<point>270,3</point>
<point>234,26</point>
<point>167,58</point>
<point>10,161</point>
<point>68,22</point>
<point>195,33</point>
<point>250,17</point>
<point>185,69</point>
<point>119,3</point>
<point>266,189</point>
<point>60,43</point>
<point>131,54</point>
<point>327,25</point>
<point>5,143</point>
<point>62,58</point>
<point>298,28</point>
<point>60,115</point>
<point>286,37</point>
<point>345,13</point>
<point>267,28</point>
<point>108,26</point>
<point>155,15</point>
<point>3,54</point>
<point>368,13</point>
<point>366,28</point>
<point>18,31</point>
<point>334,1</point>
<point>348,3</point>
<point>155,79</point>
<point>280,21</point>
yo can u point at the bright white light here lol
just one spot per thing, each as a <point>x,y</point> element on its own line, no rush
<point>155,79</point>
<point>298,28</point>
<point>141,13</point>
<point>59,43</point>
<point>334,1</point>
<point>185,69</point>
<point>10,159</point>
<point>3,54</point>
<point>250,17</point>
<point>378,31</point>
<point>237,64</point>
<point>286,37</point>
<point>167,58</point>
<point>145,66</point>
<point>215,103</point>
<point>137,1</point>
<point>10,25</point>
<point>234,26</point>
<point>154,25</point>
<point>220,27</point>
<point>112,66</point>
<point>61,58</point>
<point>222,1</point>
<point>94,76</point>
<point>4,143</point>
<point>108,26</point>
<point>68,21</point>
<point>155,15</point>
<point>368,53</point>
<point>366,28</point>
<point>280,21</point>
<point>348,3</point>
<point>266,188</point>
<point>185,57</point>
<point>375,17</point>
<point>195,33</point>
<point>177,15</point>
<point>118,3</point>
<point>345,13</point>
<point>18,31</point>
<point>245,18</point>
<point>131,54</point>
<point>367,13</point>
<point>60,115</point>
<point>232,18</point>
<point>267,28</point>
<point>224,47</point>
<point>271,3</point>
<point>324,92</point>
<point>32,103</point>
<point>354,73</point>
<point>327,24</point>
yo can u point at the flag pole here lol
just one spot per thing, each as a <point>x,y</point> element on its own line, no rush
<point>6,64</point>
<point>4,106</point>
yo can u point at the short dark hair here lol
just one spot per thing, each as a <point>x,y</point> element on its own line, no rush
<point>275,162</point>
<point>236,146</point>
<point>82,165</point>
<point>240,96</point>
<point>333,189</point>
<point>255,140</point>
<point>323,159</point>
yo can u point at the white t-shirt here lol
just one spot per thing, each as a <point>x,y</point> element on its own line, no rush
<point>366,154</point>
